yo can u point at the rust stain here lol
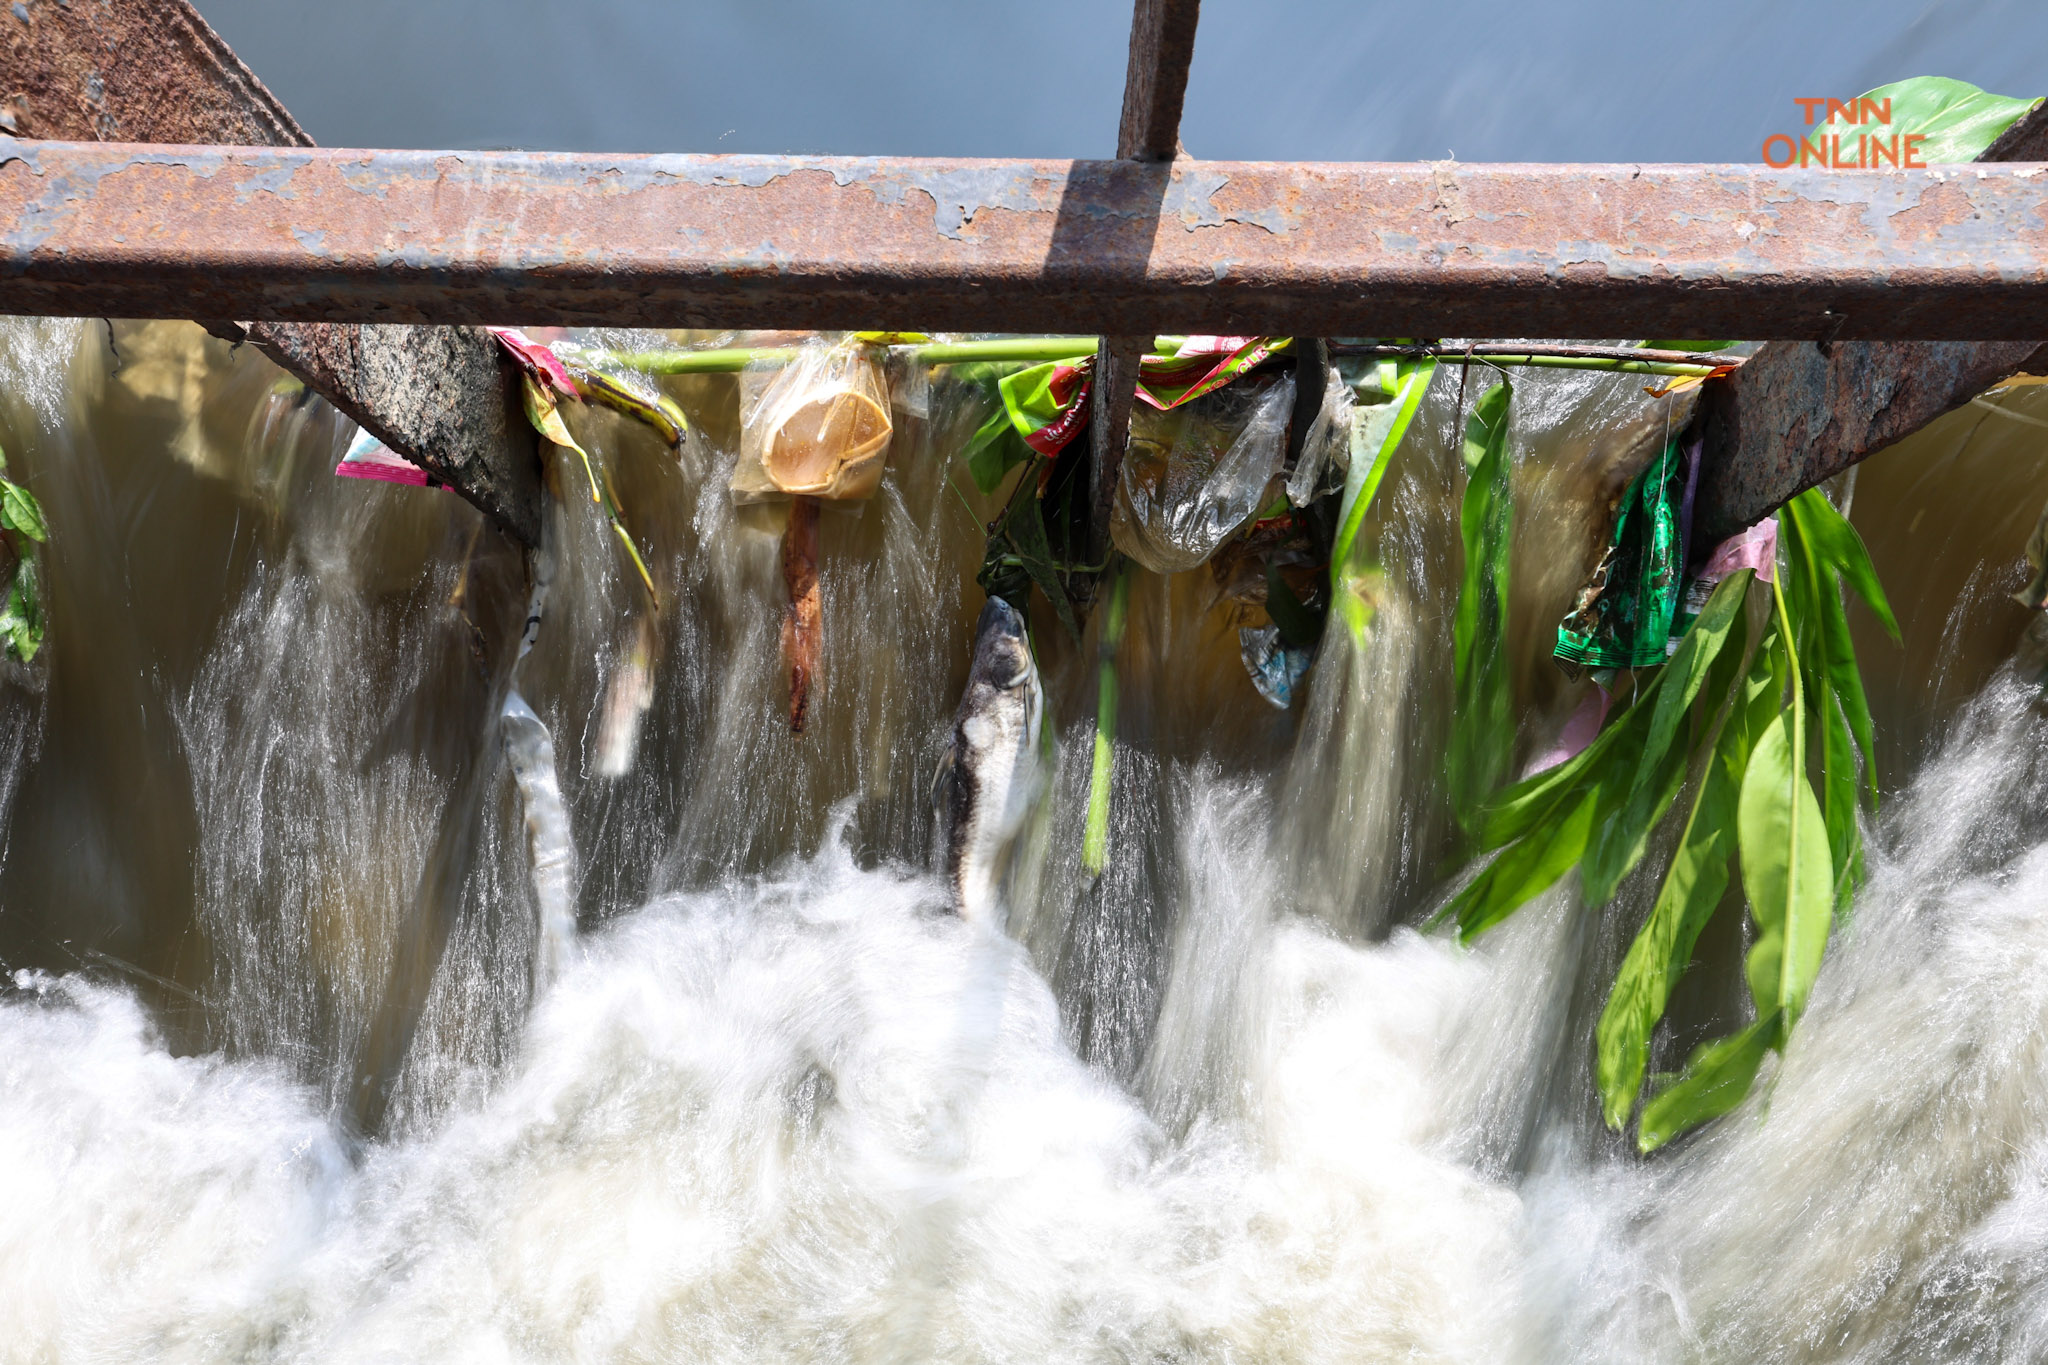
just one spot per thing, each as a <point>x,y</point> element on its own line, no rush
<point>1429,250</point>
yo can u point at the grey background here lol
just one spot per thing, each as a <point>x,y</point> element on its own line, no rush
<point>1543,80</point>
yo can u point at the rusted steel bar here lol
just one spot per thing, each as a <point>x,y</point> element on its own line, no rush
<point>152,70</point>
<point>1156,79</point>
<point>1155,88</point>
<point>1292,249</point>
<point>131,71</point>
<point>1799,413</point>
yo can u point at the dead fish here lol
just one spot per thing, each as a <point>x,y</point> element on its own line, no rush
<point>991,773</point>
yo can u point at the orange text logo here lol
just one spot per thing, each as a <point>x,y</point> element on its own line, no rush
<point>1874,145</point>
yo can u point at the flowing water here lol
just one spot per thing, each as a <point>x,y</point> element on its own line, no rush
<point>382,992</point>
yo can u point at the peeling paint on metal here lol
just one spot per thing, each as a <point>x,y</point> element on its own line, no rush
<point>1440,249</point>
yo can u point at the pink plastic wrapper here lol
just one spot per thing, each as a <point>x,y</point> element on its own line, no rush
<point>1756,548</point>
<point>368,458</point>
<point>1579,731</point>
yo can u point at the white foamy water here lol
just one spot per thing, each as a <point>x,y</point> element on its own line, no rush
<point>1214,1106</point>
<point>809,1117</point>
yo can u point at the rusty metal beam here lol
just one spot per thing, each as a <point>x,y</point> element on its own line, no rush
<point>1155,88</point>
<point>152,70</point>
<point>1156,79</point>
<point>1291,249</point>
<point>132,71</point>
<point>1799,413</point>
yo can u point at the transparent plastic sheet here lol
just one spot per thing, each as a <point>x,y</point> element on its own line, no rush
<point>818,427</point>
<point>1326,450</point>
<point>1194,474</point>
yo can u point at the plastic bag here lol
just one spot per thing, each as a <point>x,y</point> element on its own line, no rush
<point>1192,475</point>
<point>817,428</point>
<point>1627,614</point>
<point>1326,447</point>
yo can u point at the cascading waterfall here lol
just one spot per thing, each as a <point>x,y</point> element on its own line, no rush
<point>678,1055</point>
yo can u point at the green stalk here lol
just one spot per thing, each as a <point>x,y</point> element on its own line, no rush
<point>1095,840</point>
<point>1572,362</point>
<point>1041,349</point>
<point>730,360</point>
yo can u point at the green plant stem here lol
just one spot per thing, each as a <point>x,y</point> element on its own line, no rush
<point>1041,349</point>
<point>1095,839</point>
<point>935,353</point>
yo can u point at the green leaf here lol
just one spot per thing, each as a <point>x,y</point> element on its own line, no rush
<point>1660,770</point>
<point>1516,810</point>
<point>1024,532</point>
<point>1837,544</point>
<point>1375,435</point>
<point>1786,871</point>
<point>21,616</point>
<point>19,511</point>
<point>1663,947</point>
<point>1687,345</point>
<point>1482,730</point>
<point>1714,1081</point>
<point>994,451</point>
<point>1526,870</point>
<point>1958,120</point>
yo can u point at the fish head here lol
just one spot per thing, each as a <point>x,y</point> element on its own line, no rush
<point>1002,651</point>
<point>1002,656</point>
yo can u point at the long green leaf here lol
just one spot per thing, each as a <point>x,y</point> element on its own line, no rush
<point>1714,1081</point>
<point>1837,544</point>
<point>1786,872</point>
<point>1102,770</point>
<point>1377,435</point>
<point>1482,734</point>
<point>1526,870</point>
<point>1663,947</point>
<point>1660,769</point>
<point>1692,888</point>
<point>1516,810</point>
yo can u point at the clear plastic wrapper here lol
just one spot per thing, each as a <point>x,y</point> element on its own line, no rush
<point>1193,475</point>
<point>819,427</point>
<point>1326,450</point>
